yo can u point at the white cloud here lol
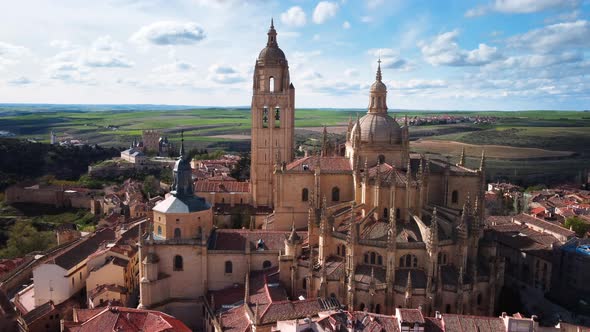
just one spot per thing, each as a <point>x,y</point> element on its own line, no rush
<point>346,25</point>
<point>555,37</point>
<point>19,81</point>
<point>372,4</point>
<point>75,65</point>
<point>169,33</point>
<point>177,66</point>
<point>519,6</point>
<point>225,74</point>
<point>105,52</point>
<point>351,72</point>
<point>60,43</point>
<point>11,54</point>
<point>444,50</point>
<point>366,19</point>
<point>324,11</point>
<point>417,84</point>
<point>295,16</point>
<point>389,58</point>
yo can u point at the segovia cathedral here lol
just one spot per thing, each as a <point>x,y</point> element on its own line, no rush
<point>369,225</point>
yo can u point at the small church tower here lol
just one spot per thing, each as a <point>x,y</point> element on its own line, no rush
<point>273,118</point>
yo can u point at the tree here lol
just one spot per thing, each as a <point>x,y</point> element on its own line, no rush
<point>577,225</point>
<point>242,169</point>
<point>150,186</point>
<point>24,238</point>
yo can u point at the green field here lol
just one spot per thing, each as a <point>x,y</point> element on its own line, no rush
<point>228,129</point>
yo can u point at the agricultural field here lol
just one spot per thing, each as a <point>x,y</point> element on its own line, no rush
<point>522,144</point>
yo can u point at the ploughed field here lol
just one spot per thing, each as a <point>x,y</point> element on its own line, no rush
<point>523,144</point>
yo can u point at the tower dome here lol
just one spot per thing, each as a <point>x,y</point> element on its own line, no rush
<point>272,53</point>
<point>377,126</point>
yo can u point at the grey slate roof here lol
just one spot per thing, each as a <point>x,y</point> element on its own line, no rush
<point>79,252</point>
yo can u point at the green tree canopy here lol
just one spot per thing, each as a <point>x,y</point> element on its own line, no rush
<point>577,225</point>
<point>150,186</point>
<point>24,238</point>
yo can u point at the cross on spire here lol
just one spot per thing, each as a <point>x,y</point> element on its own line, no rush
<point>378,77</point>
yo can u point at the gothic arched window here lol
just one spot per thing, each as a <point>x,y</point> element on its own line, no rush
<point>304,195</point>
<point>229,267</point>
<point>271,84</point>
<point>177,233</point>
<point>178,263</point>
<point>266,264</point>
<point>373,258</point>
<point>335,194</point>
<point>398,213</point>
<point>408,261</point>
<point>455,197</point>
<point>159,230</point>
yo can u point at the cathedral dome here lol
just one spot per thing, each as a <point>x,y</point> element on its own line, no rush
<point>271,54</point>
<point>378,86</point>
<point>378,128</point>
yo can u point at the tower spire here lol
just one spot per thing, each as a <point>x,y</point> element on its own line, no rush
<point>182,143</point>
<point>272,35</point>
<point>378,77</point>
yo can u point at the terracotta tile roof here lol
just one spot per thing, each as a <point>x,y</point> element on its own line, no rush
<point>221,178</point>
<point>236,239</point>
<point>538,210</point>
<point>387,173</point>
<point>433,324</point>
<point>370,322</point>
<point>522,238</point>
<point>287,310</point>
<point>463,323</point>
<point>82,250</point>
<point>418,278</point>
<point>544,225</point>
<point>124,319</point>
<point>235,320</point>
<point>410,316</point>
<point>327,164</point>
<point>221,186</point>
<point>362,274</point>
<point>335,267</point>
<point>103,288</point>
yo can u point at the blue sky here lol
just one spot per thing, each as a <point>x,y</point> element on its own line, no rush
<point>487,54</point>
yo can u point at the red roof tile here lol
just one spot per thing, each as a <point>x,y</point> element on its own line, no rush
<point>221,186</point>
<point>124,319</point>
<point>329,164</point>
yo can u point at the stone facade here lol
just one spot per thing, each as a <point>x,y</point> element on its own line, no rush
<point>381,228</point>
<point>273,118</point>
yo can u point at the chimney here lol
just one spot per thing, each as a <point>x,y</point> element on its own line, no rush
<point>504,314</point>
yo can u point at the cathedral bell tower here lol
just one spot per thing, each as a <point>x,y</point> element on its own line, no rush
<point>273,118</point>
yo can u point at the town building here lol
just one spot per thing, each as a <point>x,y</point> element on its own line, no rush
<point>572,270</point>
